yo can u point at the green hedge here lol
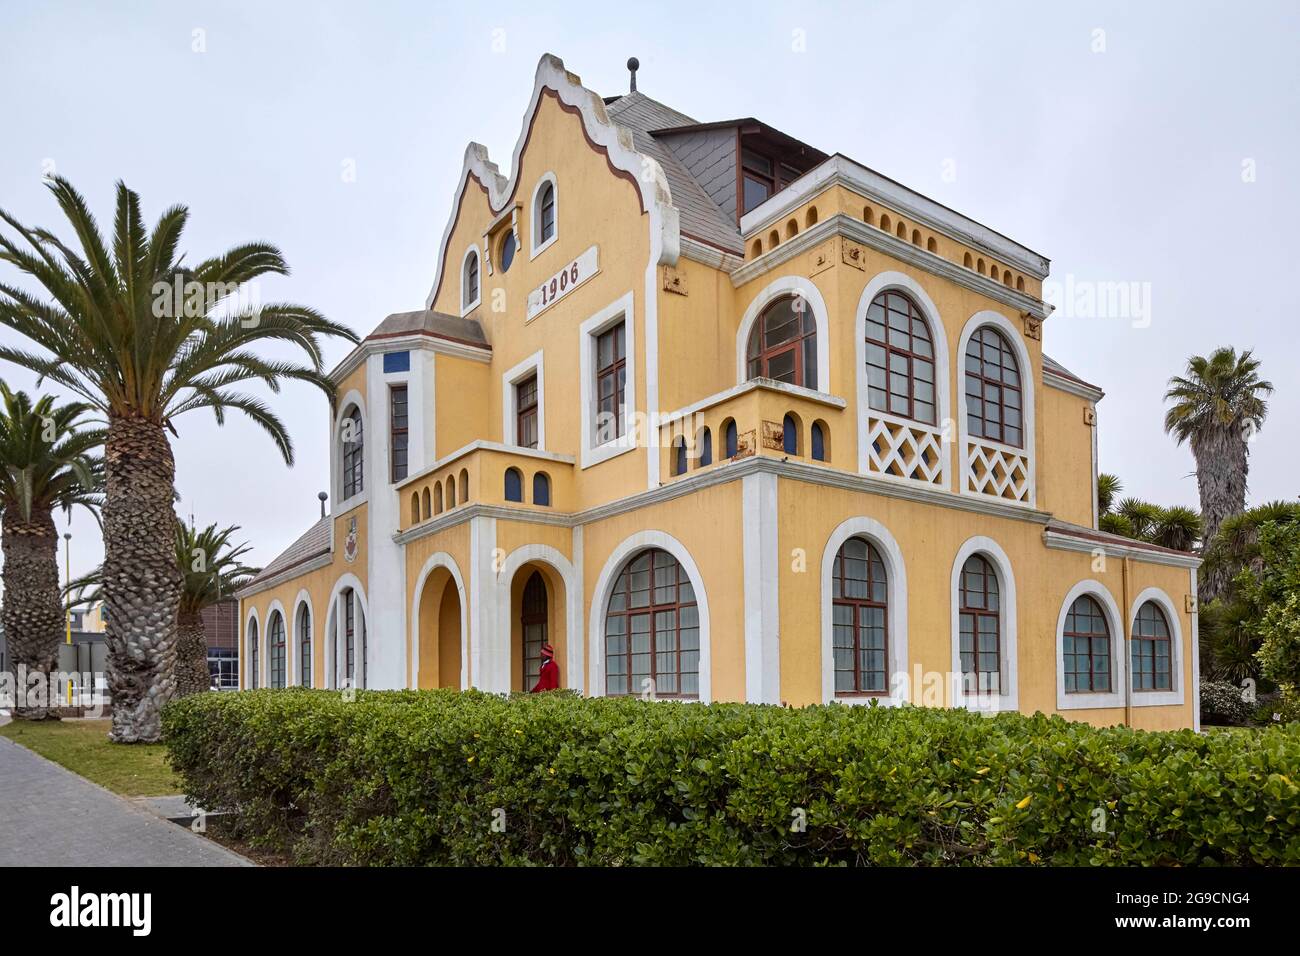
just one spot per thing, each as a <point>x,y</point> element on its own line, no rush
<point>421,777</point>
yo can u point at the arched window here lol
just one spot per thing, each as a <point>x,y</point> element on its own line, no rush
<point>818,441</point>
<point>353,454</point>
<point>278,650</point>
<point>415,506</point>
<point>304,646</point>
<point>437,498</point>
<point>428,507</point>
<point>705,445</point>
<point>860,609</point>
<point>679,455</point>
<point>783,343</point>
<point>542,489</point>
<point>900,358</point>
<point>1087,647</point>
<point>514,485</point>
<point>469,280</point>
<point>533,623</point>
<point>350,640</point>
<point>464,485</point>
<point>993,391</point>
<point>451,491</point>
<point>790,435</point>
<point>545,214</point>
<point>652,629</point>
<point>980,627</point>
<point>253,666</point>
<point>730,438</point>
<point>1152,667</point>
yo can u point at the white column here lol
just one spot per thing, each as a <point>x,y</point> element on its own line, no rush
<point>576,616</point>
<point>762,608</point>
<point>489,653</point>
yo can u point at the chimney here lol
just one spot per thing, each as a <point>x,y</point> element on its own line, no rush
<point>633,64</point>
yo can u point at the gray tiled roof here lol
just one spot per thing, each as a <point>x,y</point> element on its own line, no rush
<point>315,542</point>
<point>701,218</point>
<point>1053,365</point>
<point>428,322</point>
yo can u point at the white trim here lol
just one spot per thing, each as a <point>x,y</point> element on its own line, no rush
<point>246,671</point>
<point>334,651</point>
<point>896,571</point>
<point>1063,541</point>
<point>1096,506</point>
<point>788,285</point>
<point>630,546</point>
<point>1196,652</point>
<point>412,342</point>
<point>884,282</point>
<point>532,364</point>
<point>1008,650</point>
<point>353,397</point>
<point>1028,409</point>
<point>768,384</point>
<point>573,643</point>
<point>481,445</point>
<point>486,669</point>
<point>840,170</point>
<point>1156,698</point>
<point>620,310</point>
<point>439,560</point>
<point>762,589</point>
<point>467,307</point>
<point>1063,384</point>
<point>303,598</point>
<point>1119,666</point>
<point>535,216</point>
<point>266,638</point>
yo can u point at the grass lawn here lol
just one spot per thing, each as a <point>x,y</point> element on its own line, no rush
<point>131,770</point>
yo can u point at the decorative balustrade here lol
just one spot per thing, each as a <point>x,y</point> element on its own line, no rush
<point>998,470</point>
<point>899,448</point>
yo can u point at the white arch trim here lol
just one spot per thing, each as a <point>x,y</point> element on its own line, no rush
<point>1028,397</point>
<point>1175,695</point>
<point>901,282</point>
<point>247,677</point>
<point>1008,651</point>
<point>605,584</point>
<point>333,661</point>
<point>353,397</point>
<point>302,599</point>
<point>789,285</point>
<point>467,307</point>
<point>440,560</point>
<point>896,571</point>
<point>271,609</point>
<point>1119,666</point>
<point>535,216</point>
<point>573,638</point>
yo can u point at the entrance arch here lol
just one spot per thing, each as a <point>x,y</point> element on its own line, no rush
<point>563,615</point>
<point>439,626</point>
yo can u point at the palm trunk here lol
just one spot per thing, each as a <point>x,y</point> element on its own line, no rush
<point>1221,469</point>
<point>192,675</point>
<point>33,613</point>
<point>142,583</point>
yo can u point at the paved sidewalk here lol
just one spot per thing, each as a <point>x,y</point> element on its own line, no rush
<point>49,816</point>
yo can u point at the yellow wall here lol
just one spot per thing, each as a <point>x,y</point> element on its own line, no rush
<point>1065,463</point>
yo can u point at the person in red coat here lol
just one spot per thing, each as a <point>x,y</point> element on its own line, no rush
<point>549,679</point>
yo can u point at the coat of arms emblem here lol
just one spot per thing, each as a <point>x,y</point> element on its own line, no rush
<point>350,542</point>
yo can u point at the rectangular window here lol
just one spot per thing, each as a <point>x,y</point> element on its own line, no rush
<point>397,362</point>
<point>526,412</point>
<point>397,428</point>
<point>611,383</point>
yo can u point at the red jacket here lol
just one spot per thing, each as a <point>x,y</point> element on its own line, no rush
<point>549,679</point>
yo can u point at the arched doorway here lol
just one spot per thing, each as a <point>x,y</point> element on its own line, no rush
<point>536,617</point>
<point>440,617</point>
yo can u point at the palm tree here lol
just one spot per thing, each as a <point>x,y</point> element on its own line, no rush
<point>144,339</point>
<point>1142,516</point>
<point>1218,405</point>
<point>211,570</point>
<point>46,462</point>
<point>1108,490</point>
<point>1177,527</point>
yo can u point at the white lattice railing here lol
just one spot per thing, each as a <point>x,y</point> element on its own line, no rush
<point>899,448</point>
<point>996,470</point>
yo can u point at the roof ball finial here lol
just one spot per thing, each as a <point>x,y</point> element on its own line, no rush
<point>633,64</point>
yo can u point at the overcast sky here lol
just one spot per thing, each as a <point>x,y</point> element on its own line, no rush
<point>1150,144</point>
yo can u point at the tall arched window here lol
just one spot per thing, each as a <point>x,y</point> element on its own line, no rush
<point>790,435</point>
<point>278,650</point>
<point>350,637</point>
<point>993,389</point>
<point>705,444</point>
<point>679,455</point>
<point>428,506</point>
<point>304,646</point>
<point>1087,647</point>
<point>542,489</point>
<point>900,358</point>
<point>980,627</point>
<point>652,630</point>
<point>514,489</point>
<point>469,289</point>
<point>1152,667</point>
<point>860,608</point>
<point>532,623</point>
<point>783,343</point>
<point>545,214</point>
<point>818,441</point>
<point>253,664</point>
<point>730,439</point>
<point>353,454</point>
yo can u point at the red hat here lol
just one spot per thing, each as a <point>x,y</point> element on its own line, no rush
<point>548,651</point>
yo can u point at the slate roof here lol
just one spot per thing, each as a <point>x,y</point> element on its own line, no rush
<point>440,325</point>
<point>312,544</point>
<point>1051,364</point>
<point>700,217</point>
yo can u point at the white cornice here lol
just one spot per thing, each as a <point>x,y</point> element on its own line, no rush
<point>858,231</point>
<point>1063,541</point>
<point>710,256</point>
<point>842,171</point>
<point>415,341</point>
<point>1073,386</point>
<point>754,384</point>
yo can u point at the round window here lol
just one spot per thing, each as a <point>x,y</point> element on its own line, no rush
<point>507,251</point>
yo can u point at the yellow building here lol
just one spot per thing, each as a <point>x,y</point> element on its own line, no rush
<point>725,418</point>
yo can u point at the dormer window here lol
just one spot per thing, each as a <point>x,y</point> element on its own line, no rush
<point>762,177</point>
